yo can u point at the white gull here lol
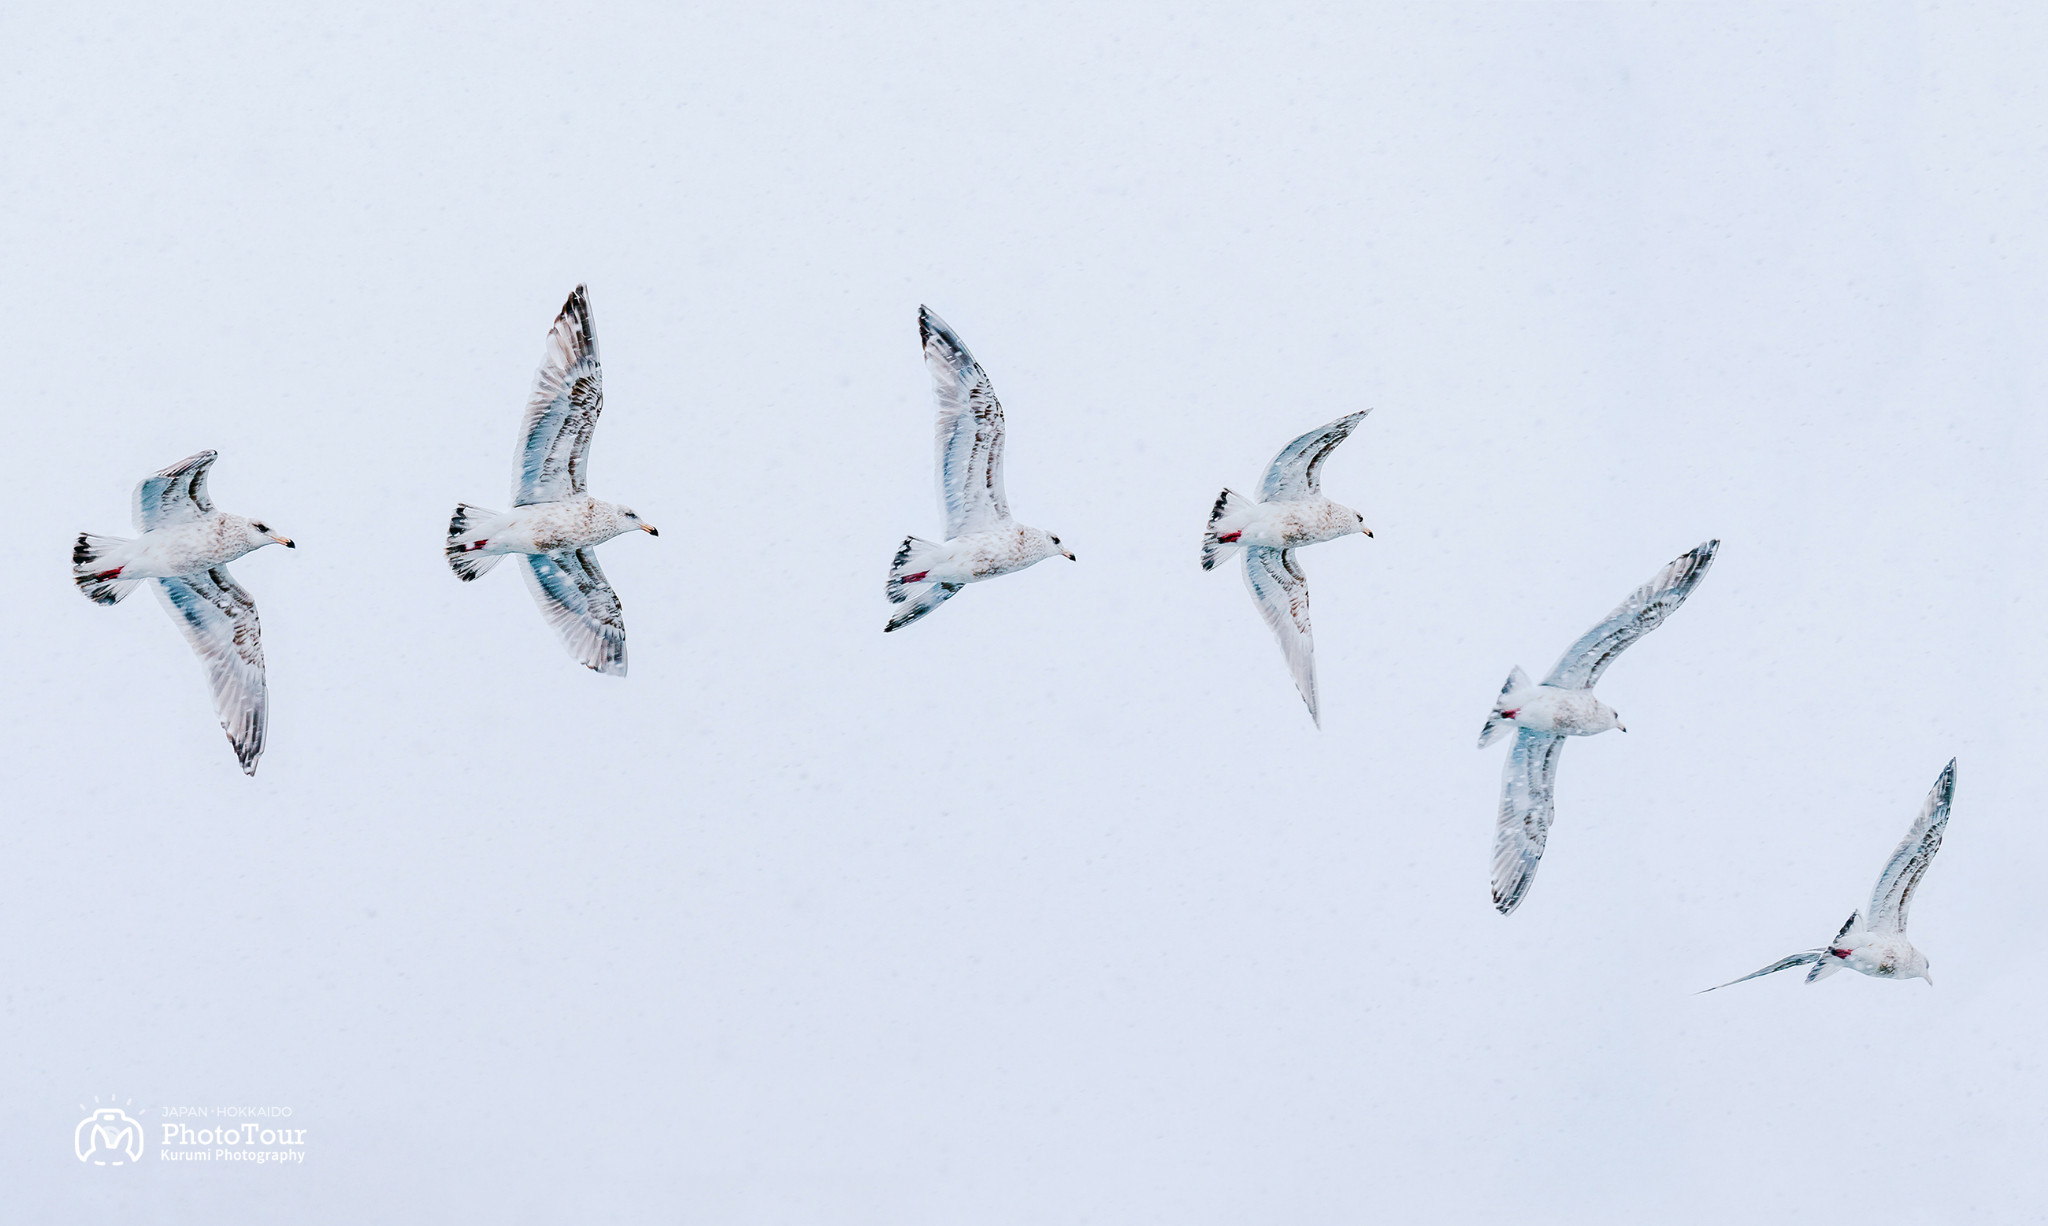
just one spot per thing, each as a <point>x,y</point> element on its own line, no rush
<point>554,524</point>
<point>1291,513</point>
<point>1875,942</point>
<point>982,541</point>
<point>185,546</point>
<point>1542,716</point>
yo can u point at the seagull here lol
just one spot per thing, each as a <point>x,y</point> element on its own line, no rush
<point>982,541</point>
<point>1877,945</point>
<point>1543,715</point>
<point>186,546</point>
<point>1291,512</point>
<point>554,524</point>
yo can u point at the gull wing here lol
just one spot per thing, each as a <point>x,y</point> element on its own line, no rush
<point>970,432</point>
<point>1527,785</point>
<point>177,495</point>
<point>1644,610</point>
<point>1296,473</point>
<point>568,394</point>
<point>1281,591</point>
<point>580,604</point>
<point>219,620</point>
<point>1894,892</point>
<point>927,600</point>
<point>1783,964</point>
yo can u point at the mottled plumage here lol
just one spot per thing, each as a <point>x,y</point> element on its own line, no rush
<point>554,524</point>
<point>1291,513</point>
<point>1873,941</point>
<point>1542,716</point>
<point>982,541</point>
<point>185,547</point>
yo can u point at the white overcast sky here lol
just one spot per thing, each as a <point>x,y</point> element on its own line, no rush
<point>1055,907</point>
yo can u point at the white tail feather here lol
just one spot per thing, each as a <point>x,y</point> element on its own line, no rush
<point>95,570</point>
<point>1497,728</point>
<point>465,557</point>
<point>913,562</point>
<point>1226,518</point>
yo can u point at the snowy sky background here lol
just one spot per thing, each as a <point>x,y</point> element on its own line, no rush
<point>1054,907</point>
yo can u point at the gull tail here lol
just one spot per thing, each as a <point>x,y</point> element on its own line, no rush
<point>914,562</point>
<point>1496,728</point>
<point>1226,520</point>
<point>96,568</point>
<point>1827,966</point>
<point>464,556</point>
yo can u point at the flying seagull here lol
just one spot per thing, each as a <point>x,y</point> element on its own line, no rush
<point>554,524</point>
<point>186,546</point>
<point>1291,512</point>
<point>1541,716</point>
<point>1876,943</point>
<point>982,541</point>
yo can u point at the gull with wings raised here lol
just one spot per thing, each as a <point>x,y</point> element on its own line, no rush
<point>185,547</point>
<point>1540,717</point>
<point>554,523</point>
<point>982,541</point>
<point>1291,512</point>
<point>1874,942</point>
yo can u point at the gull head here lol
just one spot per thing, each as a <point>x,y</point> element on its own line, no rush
<point>631,519</point>
<point>1060,549</point>
<point>1605,717</point>
<point>256,534</point>
<point>1337,511</point>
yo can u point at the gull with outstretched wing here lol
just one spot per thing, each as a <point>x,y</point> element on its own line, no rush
<point>982,540</point>
<point>1873,940</point>
<point>1539,717</point>
<point>555,525</point>
<point>185,546</point>
<point>1290,513</point>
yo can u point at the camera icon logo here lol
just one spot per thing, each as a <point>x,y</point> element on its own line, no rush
<point>109,1137</point>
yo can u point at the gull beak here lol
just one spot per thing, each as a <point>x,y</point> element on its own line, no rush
<point>283,540</point>
<point>1620,725</point>
<point>1367,531</point>
<point>1068,554</point>
<point>650,529</point>
<point>1928,977</point>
